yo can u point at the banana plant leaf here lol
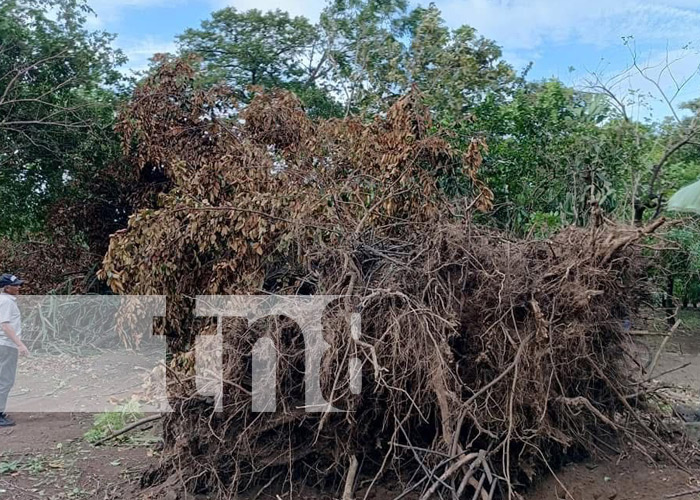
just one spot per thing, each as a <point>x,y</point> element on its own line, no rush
<point>686,199</point>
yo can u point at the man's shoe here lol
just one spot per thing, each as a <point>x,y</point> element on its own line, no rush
<point>6,421</point>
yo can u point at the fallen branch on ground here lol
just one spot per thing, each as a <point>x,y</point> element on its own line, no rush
<point>128,428</point>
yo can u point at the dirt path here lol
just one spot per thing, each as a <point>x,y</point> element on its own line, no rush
<point>54,403</point>
<point>633,477</point>
<point>46,455</point>
<point>683,350</point>
<point>88,383</point>
<point>630,478</point>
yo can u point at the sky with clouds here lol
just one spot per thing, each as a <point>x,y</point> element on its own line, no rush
<point>567,39</point>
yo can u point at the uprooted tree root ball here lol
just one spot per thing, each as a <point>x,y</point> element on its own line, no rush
<point>483,359</point>
<point>493,354</point>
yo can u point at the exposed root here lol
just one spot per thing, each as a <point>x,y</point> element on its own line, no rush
<point>483,359</point>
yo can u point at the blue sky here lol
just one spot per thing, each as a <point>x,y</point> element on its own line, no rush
<point>554,34</point>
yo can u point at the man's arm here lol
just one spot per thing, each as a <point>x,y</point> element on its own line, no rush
<point>12,335</point>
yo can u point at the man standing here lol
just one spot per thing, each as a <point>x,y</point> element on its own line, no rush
<point>11,344</point>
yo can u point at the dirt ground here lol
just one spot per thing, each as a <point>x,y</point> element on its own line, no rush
<point>86,383</point>
<point>628,479</point>
<point>46,455</point>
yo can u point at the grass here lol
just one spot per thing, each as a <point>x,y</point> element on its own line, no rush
<point>10,466</point>
<point>111,421</point>
<point>32,465</point>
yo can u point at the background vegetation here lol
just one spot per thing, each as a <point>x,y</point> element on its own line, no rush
<point>556,155</point>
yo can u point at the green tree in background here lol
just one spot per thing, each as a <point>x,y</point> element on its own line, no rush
<point>361,56</point>
<point>679,271</point>
<point>675,160</point>
<point>57,101</point>
<point>557,155</point>
<point>271,49</point>
<point>554,153</point>
<point>382,49</point>
<point>253,48</point>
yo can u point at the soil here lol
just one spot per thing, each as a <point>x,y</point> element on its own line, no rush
<point>46,455</point>
<point>82,383</point>
<point>55,462</point>
<point>630,478</point>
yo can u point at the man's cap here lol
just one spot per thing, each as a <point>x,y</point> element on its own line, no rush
<point>10,280</point>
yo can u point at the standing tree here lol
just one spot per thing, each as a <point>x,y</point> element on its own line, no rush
<point>272,49</point>
<point>361,56</point>
<point>56,106</point>
<point>382,49</point>
<point>554,152</point>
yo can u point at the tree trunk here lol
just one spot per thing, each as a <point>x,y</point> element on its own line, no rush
<point>639,209</point>
<point>670,313</point>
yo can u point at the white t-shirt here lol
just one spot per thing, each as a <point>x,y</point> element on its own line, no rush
<point>9,313</point>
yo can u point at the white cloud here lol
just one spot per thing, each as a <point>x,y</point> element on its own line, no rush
<point>308,8</point>
<point>527,29</point>
<point>140,51</point>
<point>658,84</point>
<point>529,24</point>
<point>514,24</point>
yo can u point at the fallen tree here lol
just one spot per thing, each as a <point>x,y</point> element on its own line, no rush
<point>485,360</point>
